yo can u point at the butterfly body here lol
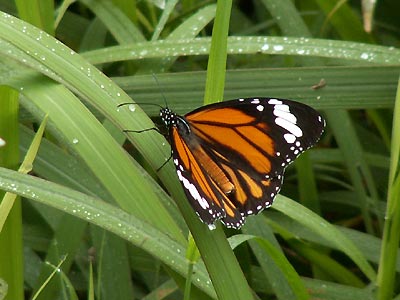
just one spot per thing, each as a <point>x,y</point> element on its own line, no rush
<point>230,156</point>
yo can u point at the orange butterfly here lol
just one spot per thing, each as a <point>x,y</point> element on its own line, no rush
<point>230,156</point>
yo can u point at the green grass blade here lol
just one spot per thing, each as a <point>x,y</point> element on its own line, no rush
<point>170,5</point>
<point>324,229</point>
<point>122,29</point>
<point>340,17</point>
<point>328,265</point>
<point>287,17</point>
<point>345,51</point>
<point>189,28</point>
<point>11,255</point>
<point>376,85</point>
<point>391,233</point>
<point>37,12</point>
<point>278,281</point>
<point>215,81</point>
<point>26,166</point>
<point>280,261</point>
<point>360,173</point>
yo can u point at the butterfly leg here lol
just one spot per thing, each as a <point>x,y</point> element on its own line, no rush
<point>149,129</point>
<point>143,130</point>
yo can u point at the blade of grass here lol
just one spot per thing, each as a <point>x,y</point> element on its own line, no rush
<point>56,269</point>
<point>323,228</point>
<point>340,19</point>
<point>112,258</point>
<point>37,12</point>
<point>184,91</point>
<point>347,52</point>
<point>170,5</point>
<point>279,259</point>
<point>215,81</point>
<point>26,166</point>
<point>11,256</point>
<point>360,173</point>
<point>367,244</point>
<point>329,266</point>
<point>189,28</point>
<point>277,280</point>
<point>391,233</point>
<point>122,29</point>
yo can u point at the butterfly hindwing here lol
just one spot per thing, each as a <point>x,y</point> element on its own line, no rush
<point>231,156</point>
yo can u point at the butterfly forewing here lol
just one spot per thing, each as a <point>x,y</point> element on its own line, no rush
<point>230,156</point>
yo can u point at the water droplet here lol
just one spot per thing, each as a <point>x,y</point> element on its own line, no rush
<point>75,141</point>
<point>278,47</point>
<point>132,107</point>
<point>265,47</point>
<point>364,55</point>
<point>2,142</point>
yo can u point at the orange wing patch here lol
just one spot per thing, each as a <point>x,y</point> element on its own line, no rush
<point>254,188</point>
<point>230,116</point>
<point>250,148</point>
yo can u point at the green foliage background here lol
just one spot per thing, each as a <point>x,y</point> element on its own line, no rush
<point>92,204</point>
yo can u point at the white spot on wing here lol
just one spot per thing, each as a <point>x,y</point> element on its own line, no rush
<point>260,107</point>
<point>291,127</point>
<point>274,101</point>
<point>211,226</point>
<point>192,190</point>
<point>285,114</point>
<point>290,138</point>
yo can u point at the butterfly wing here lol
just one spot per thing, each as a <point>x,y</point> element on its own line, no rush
<point>230,156</point>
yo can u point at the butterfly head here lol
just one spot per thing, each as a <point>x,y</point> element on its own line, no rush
<point>168,116</point>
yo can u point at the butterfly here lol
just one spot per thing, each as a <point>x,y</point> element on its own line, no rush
<point>230,156</point>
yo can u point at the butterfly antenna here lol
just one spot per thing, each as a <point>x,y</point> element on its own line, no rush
<point>159,88</point>
<point>138,103</point>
